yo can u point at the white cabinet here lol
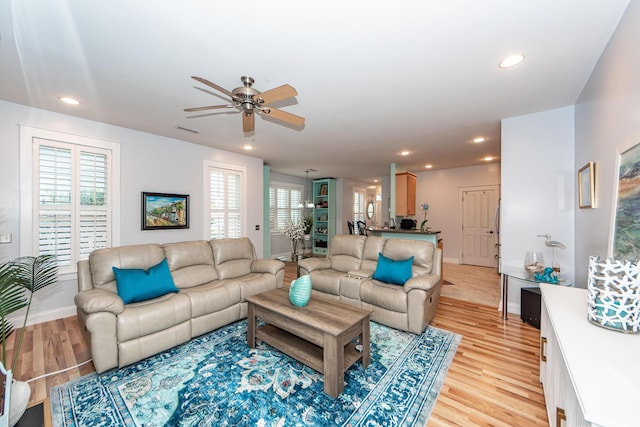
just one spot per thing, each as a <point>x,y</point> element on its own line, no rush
<point>589,375</point>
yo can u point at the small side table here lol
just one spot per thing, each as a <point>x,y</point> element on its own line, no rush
<point>521,275</point>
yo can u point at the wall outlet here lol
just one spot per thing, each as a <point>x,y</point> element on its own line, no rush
<point>5,237</point>
<point>257,227</point>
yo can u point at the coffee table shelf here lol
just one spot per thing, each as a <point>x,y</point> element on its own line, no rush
<point>302,350</point>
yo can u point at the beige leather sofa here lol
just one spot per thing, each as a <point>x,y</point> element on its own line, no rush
<point>213,277</point>
<point>346,274</point>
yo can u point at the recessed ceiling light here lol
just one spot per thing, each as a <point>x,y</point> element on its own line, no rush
<point>512,60</point>
<point>488,159</point>
<point>479,139</point>
<point>375,180</point>
<point>405,153</point>
<point>69,100</point>
<point>428,166</point>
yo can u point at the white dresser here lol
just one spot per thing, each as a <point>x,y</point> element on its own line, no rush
<point>590,375</point>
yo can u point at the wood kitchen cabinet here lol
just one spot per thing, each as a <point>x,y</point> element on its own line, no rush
<point>405,194</point>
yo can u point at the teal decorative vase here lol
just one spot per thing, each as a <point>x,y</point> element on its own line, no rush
<point>300,291</point>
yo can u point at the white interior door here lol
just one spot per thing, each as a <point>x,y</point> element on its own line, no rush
<point>479,235</point>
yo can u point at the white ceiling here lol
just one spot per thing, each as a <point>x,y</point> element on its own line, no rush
<point>373,77</point>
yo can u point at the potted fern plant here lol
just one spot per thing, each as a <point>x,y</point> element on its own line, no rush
<point>19,280</point>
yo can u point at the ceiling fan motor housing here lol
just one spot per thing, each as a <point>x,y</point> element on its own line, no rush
<point>244,95</point>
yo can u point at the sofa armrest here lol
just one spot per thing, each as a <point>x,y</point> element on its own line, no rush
<point>314,263</point>
<point>424,282</point>
<point>99,300</point>
<point>272,266</point>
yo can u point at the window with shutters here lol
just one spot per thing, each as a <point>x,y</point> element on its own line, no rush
<point>225,195</point>
<point>71,183</point>
<point>358,205</point>
<point>285,204</point>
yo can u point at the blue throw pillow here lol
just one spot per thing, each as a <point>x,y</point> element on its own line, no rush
<point>136,285</point>
<point>390,271</point>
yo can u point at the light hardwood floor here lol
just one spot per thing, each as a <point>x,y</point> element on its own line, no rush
<point>493,380</point>
<point>471,283</point>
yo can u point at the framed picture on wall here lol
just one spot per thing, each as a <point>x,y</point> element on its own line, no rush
<point>162,211</point>
<point>625,236</point>
<point>586,186</point>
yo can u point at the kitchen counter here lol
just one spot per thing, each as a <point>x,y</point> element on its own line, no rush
<point>393,230</point>
<point>390,233</point>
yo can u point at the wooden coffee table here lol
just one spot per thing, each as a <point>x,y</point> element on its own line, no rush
<point>319,335</point>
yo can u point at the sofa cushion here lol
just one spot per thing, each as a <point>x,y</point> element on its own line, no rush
<point>151,316</point>
<point>384,295</point>
<point>133,256</point>
<point>191,263</point>
<point>232,257</point>
<point>372,247</point>
<point>137,285</point>
<point>212,297</point>
<point>421,251</point>
<point>345,252</point>
<point>327,281</point>
<point>393,271</point>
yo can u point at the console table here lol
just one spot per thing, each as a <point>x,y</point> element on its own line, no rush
<point>589,374</point>
<point>521,275</point>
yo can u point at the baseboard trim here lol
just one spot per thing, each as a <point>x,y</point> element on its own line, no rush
<point>45,316</point>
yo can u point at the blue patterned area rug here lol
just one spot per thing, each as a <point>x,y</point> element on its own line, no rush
<point>217,380</point>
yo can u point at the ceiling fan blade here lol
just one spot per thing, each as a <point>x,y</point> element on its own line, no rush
<point>210,107</point>
<point>248,122</point>
<point>213,85</point>
<point>276,94</point>
<point>284,116</point>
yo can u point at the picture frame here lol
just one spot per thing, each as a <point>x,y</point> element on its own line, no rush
<point>586,186</point>
<point>164,211</point>
<point>624,242</point>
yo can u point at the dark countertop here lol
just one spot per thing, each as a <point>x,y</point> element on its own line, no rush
<point>392,230</point>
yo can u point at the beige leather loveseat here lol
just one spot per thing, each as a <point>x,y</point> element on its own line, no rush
<point>213,278</point>
<point>347,274</point>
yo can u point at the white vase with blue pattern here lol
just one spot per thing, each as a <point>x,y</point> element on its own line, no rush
<point>300,291</point>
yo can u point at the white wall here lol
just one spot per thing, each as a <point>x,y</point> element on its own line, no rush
<point>440,189</point>
<point>538,190</point>
<point>607,116</point>
<point>148,163</point>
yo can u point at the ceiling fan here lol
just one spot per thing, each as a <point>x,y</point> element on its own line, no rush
<point>249,101</point>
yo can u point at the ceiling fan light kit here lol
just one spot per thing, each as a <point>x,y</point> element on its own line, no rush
<point>249,100</point>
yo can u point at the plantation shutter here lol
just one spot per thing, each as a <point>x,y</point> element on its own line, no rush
<point>95,215</point>
<point>55,186</point>
<point>358,205</point>
<point>226,210</point>
<point>72,200</point>
<point>284,204</point>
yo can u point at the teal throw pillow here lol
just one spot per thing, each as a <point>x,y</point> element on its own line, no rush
<point>136,285</point>
<point>390,271</point>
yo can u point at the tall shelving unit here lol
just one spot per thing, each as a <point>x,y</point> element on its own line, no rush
<point>324,214</point>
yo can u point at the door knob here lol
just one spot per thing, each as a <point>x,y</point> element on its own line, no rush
<point>490,232</point>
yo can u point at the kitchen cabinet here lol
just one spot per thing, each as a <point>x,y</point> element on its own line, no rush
<point>405,194</point>
<point>589,374</point>
<point>324,214</point>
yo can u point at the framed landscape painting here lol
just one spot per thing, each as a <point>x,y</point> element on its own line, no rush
<point>161,211</point>
<point>626,226</point>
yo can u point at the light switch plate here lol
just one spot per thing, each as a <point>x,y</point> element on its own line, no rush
<point>5,237</point>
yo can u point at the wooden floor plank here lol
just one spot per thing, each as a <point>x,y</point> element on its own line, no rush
<point>493,379</point>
